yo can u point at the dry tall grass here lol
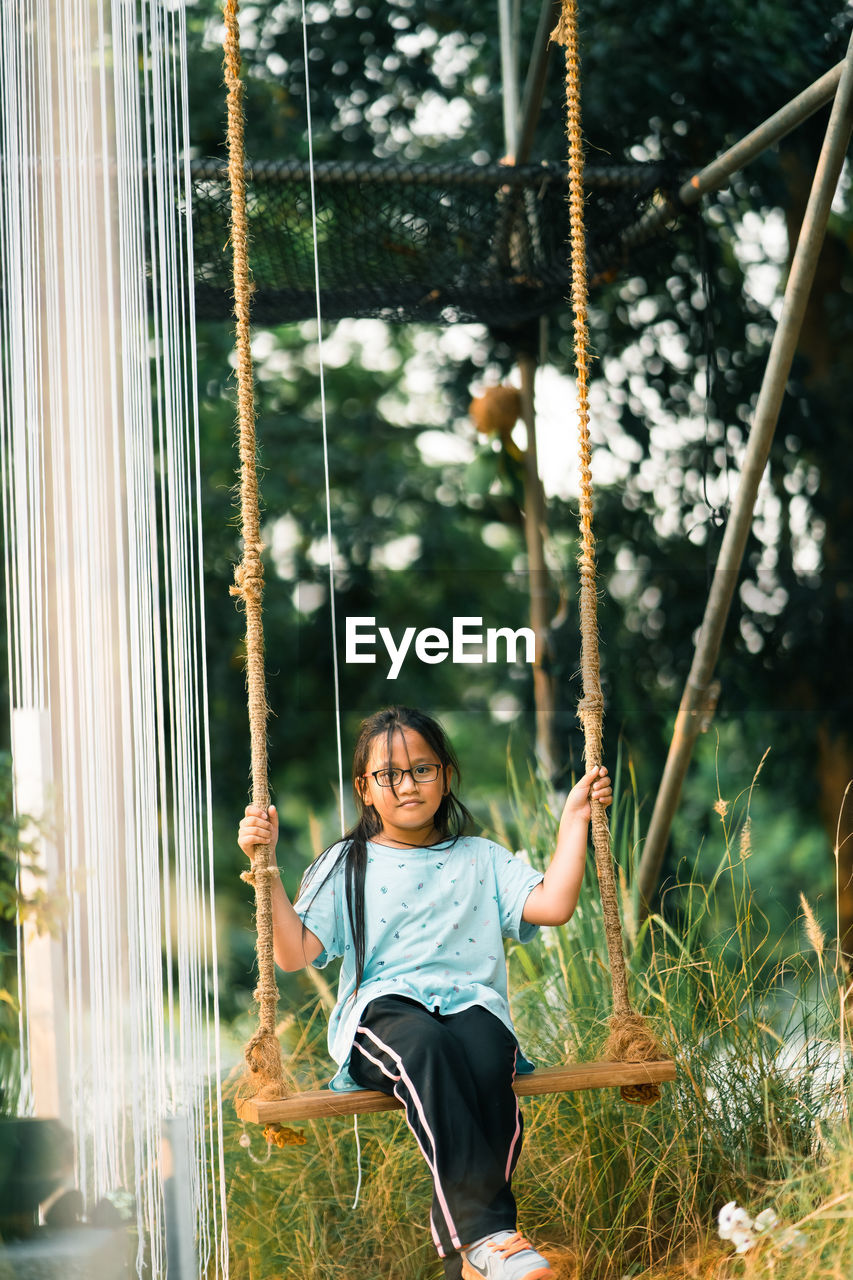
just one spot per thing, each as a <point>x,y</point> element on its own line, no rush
<point>759,1114</point>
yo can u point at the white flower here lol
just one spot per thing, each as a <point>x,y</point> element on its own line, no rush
<point>735,1225</point>
<point>732,1218</point>
<point>743,1240</point>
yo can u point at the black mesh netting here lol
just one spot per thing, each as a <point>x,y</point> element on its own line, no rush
<point>431,243</point>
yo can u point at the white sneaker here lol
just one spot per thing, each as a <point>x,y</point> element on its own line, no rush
<point>504,1256</point>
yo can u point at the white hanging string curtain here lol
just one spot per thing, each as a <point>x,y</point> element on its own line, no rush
<point>101,524</point>
<point>327,489</point>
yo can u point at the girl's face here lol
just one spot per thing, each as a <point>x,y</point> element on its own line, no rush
<point>406,809</point>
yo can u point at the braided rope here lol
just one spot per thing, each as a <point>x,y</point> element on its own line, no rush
<point>263,1053</point>
<point>630,1039</point>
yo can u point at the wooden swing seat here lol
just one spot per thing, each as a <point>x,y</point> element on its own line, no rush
<point>317,1104</point>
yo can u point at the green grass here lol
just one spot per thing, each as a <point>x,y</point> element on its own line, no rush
<point>759,1113</point>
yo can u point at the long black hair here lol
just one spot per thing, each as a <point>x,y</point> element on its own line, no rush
<point>451,818</point>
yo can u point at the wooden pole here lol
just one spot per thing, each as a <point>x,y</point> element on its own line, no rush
<point>696,691</point>
<point>534,85</point>
<point>509,75</point>
<point>534,526</point>
<point>737,157</point>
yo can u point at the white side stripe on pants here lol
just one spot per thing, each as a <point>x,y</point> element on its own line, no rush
<point>517,1134</point>
<point>376,1062</point>
<point>404,1078</point>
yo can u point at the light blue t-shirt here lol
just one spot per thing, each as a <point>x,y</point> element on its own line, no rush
<point>434,923</point>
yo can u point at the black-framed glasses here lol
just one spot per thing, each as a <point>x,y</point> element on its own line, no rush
<point>393,777</point>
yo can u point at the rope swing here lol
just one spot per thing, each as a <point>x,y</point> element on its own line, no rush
<point>634,1059</point>
<point>263,1052</point>
<point>630,1039</point>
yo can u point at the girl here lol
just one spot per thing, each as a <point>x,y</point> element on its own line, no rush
<point>418,910</point>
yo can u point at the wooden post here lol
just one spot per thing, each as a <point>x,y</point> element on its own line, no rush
<point>534,526</point>
<point>726,574</point>
<point>737,157</point>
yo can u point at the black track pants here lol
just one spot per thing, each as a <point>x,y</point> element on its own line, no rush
<point>453,1073</point>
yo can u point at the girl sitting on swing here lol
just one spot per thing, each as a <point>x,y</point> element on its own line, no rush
<point>418,910</point>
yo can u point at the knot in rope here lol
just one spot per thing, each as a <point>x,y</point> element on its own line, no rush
<point>642,1095</point>
<point>263,1059</point>
<point>631,1040</point>
<point>248,587</point>
<point>279,1135</point>
<point>591,706</point>
<point>253,871</point>
<point>264,991</point>
<point>586,559</point>
<point>562,32</point>
<point>249,574</point>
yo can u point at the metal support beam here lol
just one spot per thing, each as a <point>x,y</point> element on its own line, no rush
<point>727,571</point>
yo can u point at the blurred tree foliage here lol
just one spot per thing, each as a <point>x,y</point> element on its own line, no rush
<point>423,534</point>
<point>678,81</point>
